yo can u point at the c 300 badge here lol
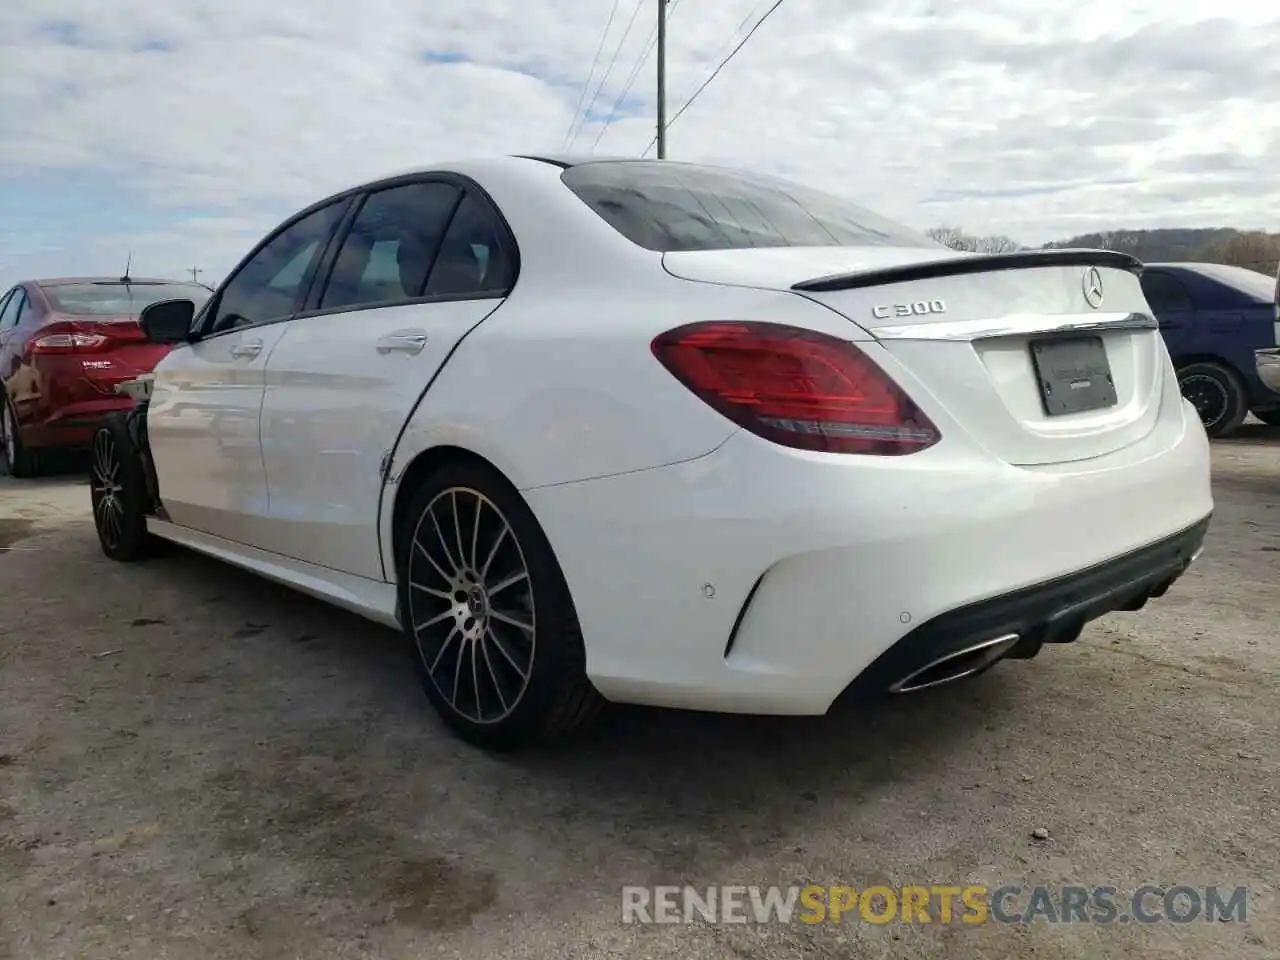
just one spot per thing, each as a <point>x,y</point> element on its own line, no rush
<point>920,308</point>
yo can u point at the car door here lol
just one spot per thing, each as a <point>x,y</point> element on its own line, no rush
<point>8,319</point>
<point>422,263</point>
<point>203,420</point>
<point>1171,302</point>
<point>20,382</point>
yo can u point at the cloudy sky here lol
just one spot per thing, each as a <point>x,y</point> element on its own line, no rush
<point>184,129</point>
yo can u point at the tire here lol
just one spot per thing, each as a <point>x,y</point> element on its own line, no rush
<point>1217,394</point>
<point>503,672</point>
<point>1269,417</point>
<point>118,492</point>
<point>18,461</point>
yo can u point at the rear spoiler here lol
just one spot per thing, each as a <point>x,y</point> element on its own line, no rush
<point>975,263</point>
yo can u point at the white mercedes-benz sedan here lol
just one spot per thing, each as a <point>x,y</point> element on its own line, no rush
<point>595,430</point>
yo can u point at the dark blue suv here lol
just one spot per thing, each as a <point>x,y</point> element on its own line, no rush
<point>1213,318</point>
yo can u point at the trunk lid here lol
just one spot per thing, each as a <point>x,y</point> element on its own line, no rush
<point>1042,356</point>
<point>111,349</point>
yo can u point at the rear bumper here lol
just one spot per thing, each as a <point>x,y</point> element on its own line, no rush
<point>762,580</point>
<point>67,395</point>
<point>1051,612</point>
<point>1268,366</point>
<point>73,425</point>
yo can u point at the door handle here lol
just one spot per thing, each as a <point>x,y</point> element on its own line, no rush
<point>247,351</point>
<point>405,341</point>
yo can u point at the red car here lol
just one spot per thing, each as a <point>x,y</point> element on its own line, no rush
<point>64,346</point>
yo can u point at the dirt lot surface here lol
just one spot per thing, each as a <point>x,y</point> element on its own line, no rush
<point>198,764</point>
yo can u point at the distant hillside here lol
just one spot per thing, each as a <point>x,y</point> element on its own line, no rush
<point>1154,245</point>
<point>1255,250</point>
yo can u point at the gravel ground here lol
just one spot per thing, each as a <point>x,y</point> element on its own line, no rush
<point>198,764</point>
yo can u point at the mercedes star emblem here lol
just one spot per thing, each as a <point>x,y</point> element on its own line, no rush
<point>1092,285</point>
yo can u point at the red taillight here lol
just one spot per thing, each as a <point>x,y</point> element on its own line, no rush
<point>68,343</point>
<point>85,336</point>
<point>796,387</point>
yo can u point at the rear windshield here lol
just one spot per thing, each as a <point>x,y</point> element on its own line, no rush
<point>116,299</point>
<point>1258,286</point>
<point>668,206</point>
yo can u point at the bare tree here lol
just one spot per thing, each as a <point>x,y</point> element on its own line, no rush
<point>953,237</point>
<point>1255,250</point>
<point>997,243</point>
<point>1116,239</point>
<point>957,239</point>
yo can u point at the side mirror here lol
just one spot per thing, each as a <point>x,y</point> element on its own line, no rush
<point>168,321</point>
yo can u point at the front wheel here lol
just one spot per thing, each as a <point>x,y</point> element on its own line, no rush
<point>491,624</point>
<point>118,493</point>
<point>1217,394</point>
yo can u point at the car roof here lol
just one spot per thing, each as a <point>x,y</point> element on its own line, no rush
<point>567,160</point>
<point>1195,266</point>
<point>478,168</point>
<point>1204,270</point>
<point>513,161</point>
<point>139,281</point>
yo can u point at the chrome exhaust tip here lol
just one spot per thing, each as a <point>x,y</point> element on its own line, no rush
<point>956,665</point>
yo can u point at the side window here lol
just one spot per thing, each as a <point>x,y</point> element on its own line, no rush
<point>1165,294</point>
<point>273,283</point>
<point>472,260</point>
<point>388,251</point>
<point>9,309</point>
<point>24,308</point>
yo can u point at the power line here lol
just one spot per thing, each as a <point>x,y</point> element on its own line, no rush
<point>605,79</point>
<point>662,69</point>
<point>741,26</point>
<point>716,72</point>
<point>582,94</point>
<point>631,78</point>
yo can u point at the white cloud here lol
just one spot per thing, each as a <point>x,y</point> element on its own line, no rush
<point>212,119</point>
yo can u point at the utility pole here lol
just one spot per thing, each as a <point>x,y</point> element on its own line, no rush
<point>662,79</point>
<point>195,273</point>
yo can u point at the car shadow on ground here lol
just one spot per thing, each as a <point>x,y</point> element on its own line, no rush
<point>624,766</point>
<point>59,469</point>
<point>1253,431</point>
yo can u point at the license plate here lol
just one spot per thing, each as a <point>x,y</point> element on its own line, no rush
<point>1074,375</point>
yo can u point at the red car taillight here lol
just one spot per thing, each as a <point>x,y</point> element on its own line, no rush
<point>796,387</point>
<point>68,343</point>
<point>85,336</point>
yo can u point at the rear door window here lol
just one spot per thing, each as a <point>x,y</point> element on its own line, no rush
<point>14,311</point>
<point>474,261</point>
<point>24,309</point>
<point>391,246</point>
<point>9,308</point>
